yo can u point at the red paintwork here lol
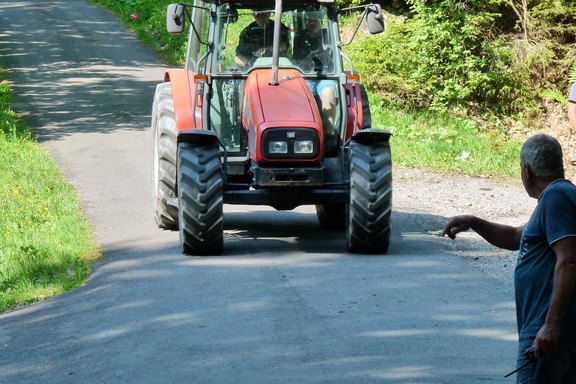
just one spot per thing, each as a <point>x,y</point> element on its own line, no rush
<point>354,89</point>
<point>183,91</point>
<point>289,104</point>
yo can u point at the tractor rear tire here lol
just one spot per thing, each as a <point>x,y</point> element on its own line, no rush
<point>332,216</point>
<point>201,197</point>
<point>164,129</point>
<point>370,209</point>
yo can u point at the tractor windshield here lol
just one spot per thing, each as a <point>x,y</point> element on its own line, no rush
<point>244,40</point>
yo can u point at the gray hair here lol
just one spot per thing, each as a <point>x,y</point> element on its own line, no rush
<point>543,154</point>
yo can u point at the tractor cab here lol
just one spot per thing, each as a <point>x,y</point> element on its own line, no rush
<point>308,39</point>
<point>233,40</point>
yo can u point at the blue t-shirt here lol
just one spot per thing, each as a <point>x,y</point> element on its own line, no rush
<point>553,219</point>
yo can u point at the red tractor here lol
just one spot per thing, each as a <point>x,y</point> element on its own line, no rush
<point>265,113</point>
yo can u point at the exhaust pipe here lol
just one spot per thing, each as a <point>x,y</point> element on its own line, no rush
<point>276,43</point>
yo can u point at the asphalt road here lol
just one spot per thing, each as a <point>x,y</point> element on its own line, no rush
<point>285,304</point>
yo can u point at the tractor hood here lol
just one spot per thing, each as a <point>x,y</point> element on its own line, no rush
<point>289,105</point>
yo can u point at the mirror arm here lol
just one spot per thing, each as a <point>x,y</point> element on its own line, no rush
<point>358,24</point>
<point>187,8</point>
<point>194,29</point>
<point>356,7</point>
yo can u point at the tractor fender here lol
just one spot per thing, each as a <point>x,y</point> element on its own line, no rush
<point>371,136</point>
<point>197,136</point>
<point>188,114</point>
<point>355,108</point>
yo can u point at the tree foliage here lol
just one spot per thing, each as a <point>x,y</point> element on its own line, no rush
<point>473,57</point>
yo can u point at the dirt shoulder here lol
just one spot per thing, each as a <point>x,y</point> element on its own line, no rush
<point>423,201</point>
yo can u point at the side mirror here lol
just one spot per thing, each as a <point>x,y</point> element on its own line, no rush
<point>175,18</point>
<point>375,19</point>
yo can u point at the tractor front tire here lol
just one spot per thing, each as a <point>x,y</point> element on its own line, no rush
<point>164,130</point>
<point>370,209</point>
<point>201,196</point>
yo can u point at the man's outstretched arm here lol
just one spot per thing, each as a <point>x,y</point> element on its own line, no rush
<point>499,235</point>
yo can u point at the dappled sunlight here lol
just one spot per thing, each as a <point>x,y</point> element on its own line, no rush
<point>134,304</point>
<point>299,261</point>
<point>490,333</point>
<point>108,333</point>
<point>65,81</point>
<point>453,317</point>
<point>176,319</point>
<point>419,264</point>
<point>336,362</point>
<point>408,372</point>
<point>357,318</point>
<point>398,333</point>
<point>248,306</point>
<point>142,274</point>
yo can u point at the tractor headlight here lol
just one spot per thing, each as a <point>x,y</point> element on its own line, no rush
<point>304,146</point>
<point>290,143</point>
<point>278,147</point>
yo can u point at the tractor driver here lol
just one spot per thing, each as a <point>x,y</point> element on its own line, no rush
<point>257,38</point>
<point>309,44</point>
<point>310,53</point>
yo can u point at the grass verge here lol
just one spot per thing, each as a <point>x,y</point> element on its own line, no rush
<point>45,242</point>
<point>448,144</point>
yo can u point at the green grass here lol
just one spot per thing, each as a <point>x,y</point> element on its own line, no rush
<point>448,144</point>
<point>45,242</point>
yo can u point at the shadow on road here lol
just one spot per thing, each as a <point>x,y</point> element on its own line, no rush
<point>83,81</point>
<point>324,316</point>
<point>411,233</point>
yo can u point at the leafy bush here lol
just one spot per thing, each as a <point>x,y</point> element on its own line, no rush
<point>349,3</point>
<point>554,20</point>
<point>441,58</point>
